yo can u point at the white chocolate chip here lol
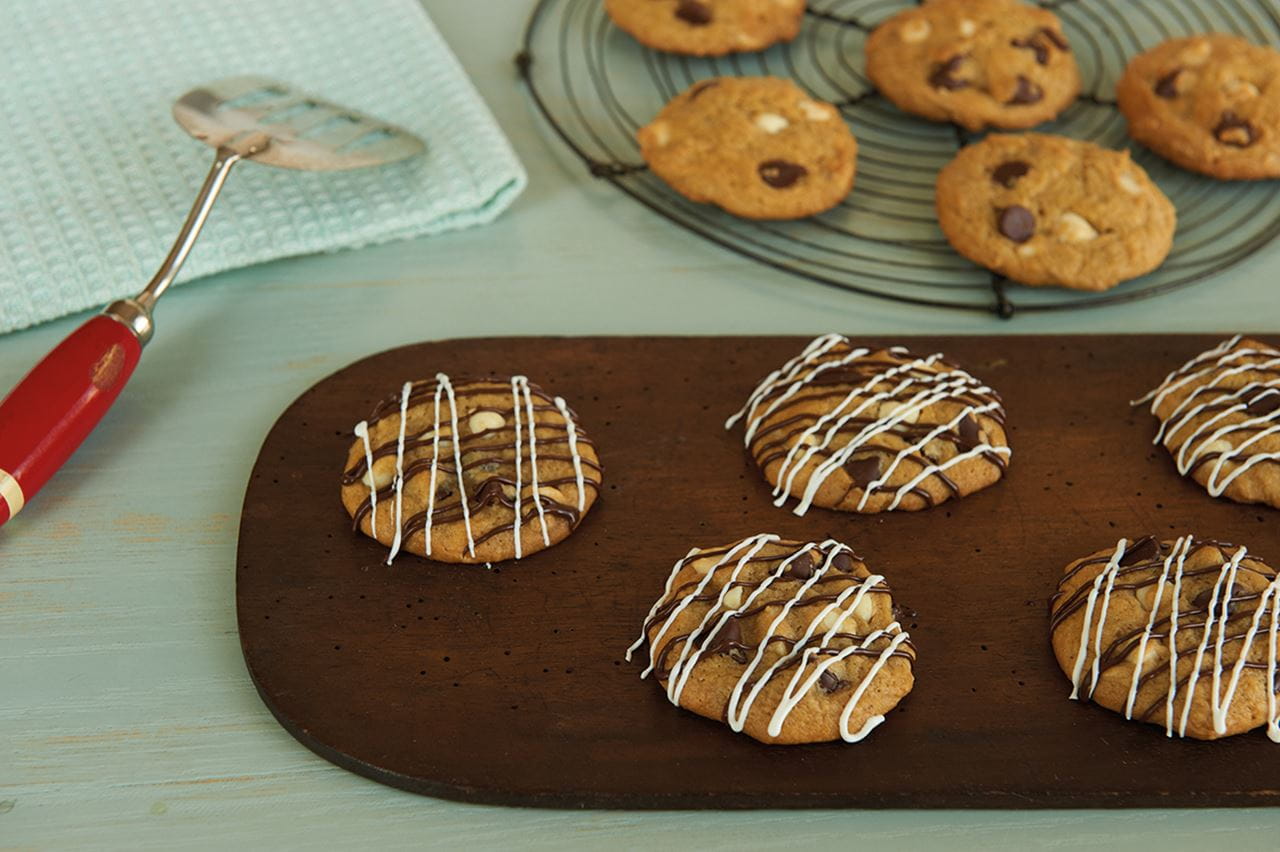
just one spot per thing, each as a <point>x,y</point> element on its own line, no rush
<point>509,490</point>
<point>1074,228</point>
<point>661,132</point>
<point>1221,446</point>
<point>1146,595</point>
<point>484,421</point>
<point>865,609</point>
<point>1026,250</point>
<point>832,620</point>
<point>382,474</point>
<point>940,450</point>
<point>771,122</point>
<point>549,493</point>
<point>889,409</point>
<point>733,599</point>
<point>816,111</point>
<point>915,30</point>
<point>1241,89</point>
<point>1195,53</point>
<point>1154,654</point>
<point>967,27</point>
<point>748,40</point>
<point>703,564</point>
<point>1129,183</point>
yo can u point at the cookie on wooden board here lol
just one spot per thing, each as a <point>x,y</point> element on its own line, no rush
<point>976,63</point>
<point>434,470</point>
<point>1219,418</point>
<point>708,27</point>
<point>1048,210</point>
<point>784,641</point>
<point>873,430</point>
<point>758,147</point>
<point>1209,103</point>
<point>1178,633</point>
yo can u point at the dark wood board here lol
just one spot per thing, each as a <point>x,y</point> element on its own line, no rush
<point>508,686</point>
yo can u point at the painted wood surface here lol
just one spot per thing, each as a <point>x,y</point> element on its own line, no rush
<point>127,719</point>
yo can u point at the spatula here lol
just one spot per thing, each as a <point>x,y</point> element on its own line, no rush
<point>54,408</point>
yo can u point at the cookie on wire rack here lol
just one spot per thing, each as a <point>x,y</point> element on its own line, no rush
<point>869,430</point>
<point>758,147</point>
<point>708,27</point>
<point>1219,418</point>
<point>1179,633</point>
<point>785,641</point>
<point>470,470</point>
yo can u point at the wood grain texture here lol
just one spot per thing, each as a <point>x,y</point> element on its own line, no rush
<point>508,685</point>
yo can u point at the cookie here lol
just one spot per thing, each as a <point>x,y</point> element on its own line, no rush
<point>787,642</point>
<point>1219,418</point>
<point>1209,103</point>
<point>416,442</point>
<point>759,147</point>
<point>976,63</point>
<point>1181,634</point>
<point>1047,210</point>
<point>708,27</point>
<point>873,430</point>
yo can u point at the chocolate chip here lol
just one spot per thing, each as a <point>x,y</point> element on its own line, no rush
<point>1201,601</point>
<point>1026,93</point>
<point>1143,550</point>
<point>967,428</point>
<point>1017,223</point>
<point>702,87</point>
<point>1007,174</point>
<point>1167,86</point>
<point>802,567</point>
<point>843,562</point>
<point>828,682</point>
<point>1235,131</point>
<point>781,174</point>
<point>1263,403</point>
<point>1057,39</point>
<point>903,613</point>
<point>728,640</point>
<point>1034,43</point>
<point>942,76</point>
<point>863,471</point>
<point>693,12</point>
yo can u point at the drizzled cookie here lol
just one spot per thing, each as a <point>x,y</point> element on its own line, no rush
<point>470,470</point>
<point>1209,103</point>
<point>787,642</point>
<point>1048,210</point>
<point>759,147</point>
<point>977,63</point>
<point>873,430</point>
<point>1181,634</point>
<point>708,27</point>
<point>1219,418</point>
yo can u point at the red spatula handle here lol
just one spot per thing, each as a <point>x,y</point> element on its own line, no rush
<point>56,406</point>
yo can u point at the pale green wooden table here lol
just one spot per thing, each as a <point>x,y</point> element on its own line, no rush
<point>126,717</point>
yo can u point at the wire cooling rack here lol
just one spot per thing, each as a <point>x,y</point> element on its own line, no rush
<point>596,85</point>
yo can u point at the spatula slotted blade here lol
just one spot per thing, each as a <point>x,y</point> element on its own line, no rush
<point>272,123</point>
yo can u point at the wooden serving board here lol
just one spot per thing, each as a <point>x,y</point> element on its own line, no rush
<point>508,685</point>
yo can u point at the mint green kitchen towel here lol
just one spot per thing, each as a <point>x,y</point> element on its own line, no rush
<point>96,177</point>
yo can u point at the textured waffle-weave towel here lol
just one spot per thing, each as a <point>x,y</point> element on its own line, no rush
<point>95,176</point>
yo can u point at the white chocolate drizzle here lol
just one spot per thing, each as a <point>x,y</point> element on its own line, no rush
<point>823,643</point>
<point>1225,439</point>
<point>1166,568</point>
<point>880,393</point>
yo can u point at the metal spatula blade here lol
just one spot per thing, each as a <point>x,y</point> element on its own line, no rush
<point>271,123</point>
<point>54,408</point>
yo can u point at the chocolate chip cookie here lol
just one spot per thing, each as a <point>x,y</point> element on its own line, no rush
<point>759,147</point>
<point>1219,418</point>
<point>708,27</point>
<point>1209,103</point>
<point>873,430</point>
<point>1043,209</point>
<point>1181,634</point>
<point>787,642</point>
<point>476,470</point>
<point>977,63</point>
